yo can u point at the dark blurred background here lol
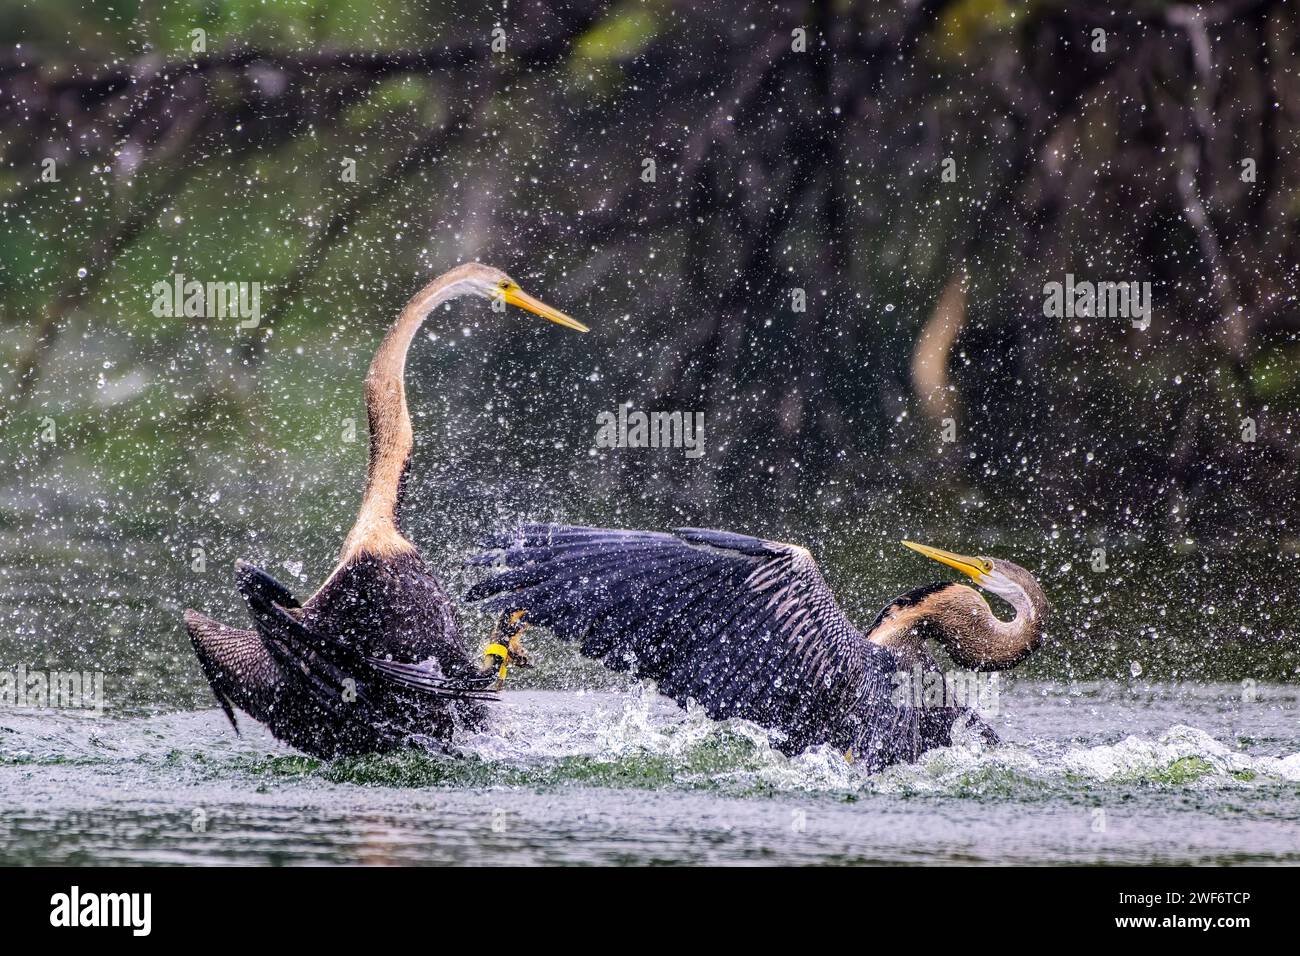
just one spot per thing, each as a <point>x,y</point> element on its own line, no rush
<point>1164,154</point>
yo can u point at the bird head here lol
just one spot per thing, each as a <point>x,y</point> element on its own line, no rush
<point>1007,580</point>
<point>493,284</point>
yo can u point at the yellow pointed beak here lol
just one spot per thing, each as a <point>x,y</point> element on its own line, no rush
<point>975,568</point>
<point>517,296</point>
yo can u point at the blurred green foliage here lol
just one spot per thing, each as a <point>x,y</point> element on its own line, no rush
<point>773,170</point>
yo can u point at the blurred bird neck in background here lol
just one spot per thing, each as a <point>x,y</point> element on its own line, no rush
<point>377,530</point>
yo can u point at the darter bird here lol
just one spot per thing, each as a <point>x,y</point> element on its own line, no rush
<point>748,628</point>
<point>375,658</point>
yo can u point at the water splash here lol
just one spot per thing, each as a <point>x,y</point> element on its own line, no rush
<point>640,740</point>
<point>1182,755</point>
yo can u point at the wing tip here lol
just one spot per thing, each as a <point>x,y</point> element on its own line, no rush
<point>199,626</point>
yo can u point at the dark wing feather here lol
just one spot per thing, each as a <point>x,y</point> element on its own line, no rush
<point>253,582</point>
<point>333,671</point>
<point>428,680</point>
<point>235,662</point>
<point>329,671</point>
<point>746,627</point>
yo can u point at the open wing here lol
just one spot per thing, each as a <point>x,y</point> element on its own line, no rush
<point>746,627</point>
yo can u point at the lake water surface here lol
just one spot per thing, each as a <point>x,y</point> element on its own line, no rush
<point>1136,774</point>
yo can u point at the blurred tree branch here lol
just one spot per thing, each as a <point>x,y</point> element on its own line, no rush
<point>819,169</point>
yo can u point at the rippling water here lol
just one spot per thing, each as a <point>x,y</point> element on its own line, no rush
<point>1135,773</point>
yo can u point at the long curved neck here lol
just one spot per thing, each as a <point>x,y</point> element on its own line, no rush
<point>962,621</point>
<point>377,530</point>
